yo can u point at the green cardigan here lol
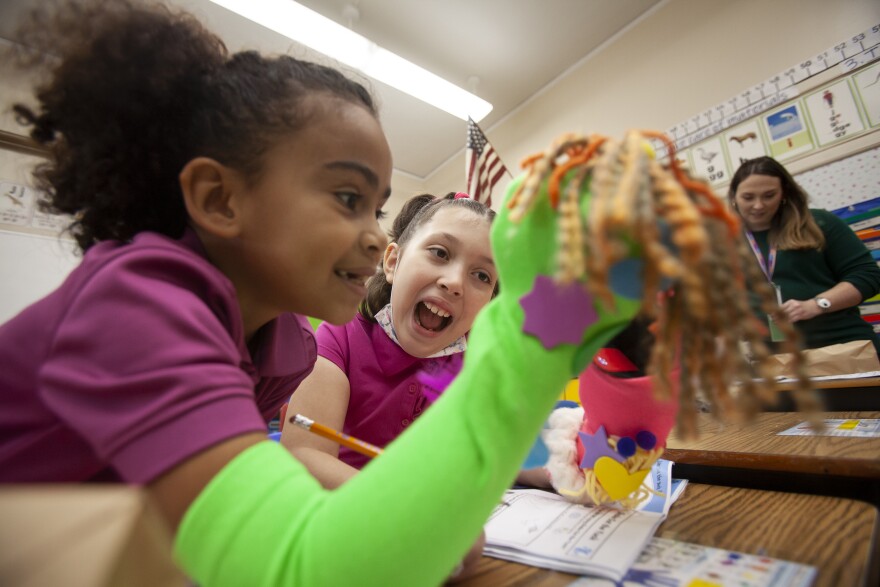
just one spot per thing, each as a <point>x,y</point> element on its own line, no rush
<point>804,274</point>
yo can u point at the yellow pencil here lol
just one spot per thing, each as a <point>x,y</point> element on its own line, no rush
<point>365,448</point>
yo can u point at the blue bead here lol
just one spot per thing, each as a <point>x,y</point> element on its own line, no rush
<point>626,447</point>
<point>646,440</point>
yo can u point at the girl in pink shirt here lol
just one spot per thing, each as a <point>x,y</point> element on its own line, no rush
<point>437,273</point>
<point>218,196</point>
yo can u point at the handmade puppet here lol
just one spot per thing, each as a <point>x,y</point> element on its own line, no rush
<point>635,239</point>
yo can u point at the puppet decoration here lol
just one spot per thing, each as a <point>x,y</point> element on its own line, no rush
<point>620,420</point>
<point>633,237</point>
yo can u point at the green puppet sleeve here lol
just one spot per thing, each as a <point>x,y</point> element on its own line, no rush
<point>412,513</point>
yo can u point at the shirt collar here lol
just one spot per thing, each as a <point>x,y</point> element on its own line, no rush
<point>383,319</point>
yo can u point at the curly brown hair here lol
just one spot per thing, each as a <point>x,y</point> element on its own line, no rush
<point>135,91</point>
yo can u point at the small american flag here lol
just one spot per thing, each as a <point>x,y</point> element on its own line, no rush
<point>482,167</point>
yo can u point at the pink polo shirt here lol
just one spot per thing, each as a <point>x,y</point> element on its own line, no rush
<point>135,363</point>
<point>386,396</point>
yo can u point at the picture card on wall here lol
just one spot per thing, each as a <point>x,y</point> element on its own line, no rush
<point>788,132</point>
<point>867,84</point>
<point>833,113</point>
<point>709,162</point>
<point>684,159</point>
<point>20,212</point>
<point>744,142</point>
<point>16,204</point>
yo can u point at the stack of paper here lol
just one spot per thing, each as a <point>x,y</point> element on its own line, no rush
<point>545,530</point>
<point>670,563</point>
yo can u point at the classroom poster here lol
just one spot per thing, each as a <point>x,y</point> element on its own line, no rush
<point>20,212</point>
<point>788,127</point>
<point>744,142</point>
<point>710,163</point>
<point>50,223</point>
<point>833,113</point>
<point>16,204</point>
<point>684,159</point>
<point>845,182</point>
<point>788,132</point>
<point>867,84</point>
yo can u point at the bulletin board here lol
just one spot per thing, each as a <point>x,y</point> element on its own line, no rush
<point>844,182</point>
<point>821,118</point>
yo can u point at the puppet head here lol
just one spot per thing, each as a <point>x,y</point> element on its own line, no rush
<point>610,232</point>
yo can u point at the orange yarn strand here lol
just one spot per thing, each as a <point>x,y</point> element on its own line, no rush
<point>530,160</point>
<point>577,157</point>
<point>715,207</point>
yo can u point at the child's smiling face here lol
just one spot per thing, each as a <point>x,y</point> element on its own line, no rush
<point>310,236</point>
<point>440,279</point>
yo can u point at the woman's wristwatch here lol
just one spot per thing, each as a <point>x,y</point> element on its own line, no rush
<point>823,303</point>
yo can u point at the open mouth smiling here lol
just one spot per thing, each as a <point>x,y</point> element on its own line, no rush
<point>431,317</point>
<point>356,279</point>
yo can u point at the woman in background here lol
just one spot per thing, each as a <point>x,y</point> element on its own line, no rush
<point>819,268</point>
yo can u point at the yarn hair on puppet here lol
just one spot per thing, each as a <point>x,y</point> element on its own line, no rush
<point>638,238</point>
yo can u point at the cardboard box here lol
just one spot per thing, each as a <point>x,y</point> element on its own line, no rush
<point>83,535</point>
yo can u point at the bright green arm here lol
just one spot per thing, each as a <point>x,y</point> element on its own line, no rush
<point>411,514</point>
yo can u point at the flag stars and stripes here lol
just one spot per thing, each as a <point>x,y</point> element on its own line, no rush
<point>483,166</point>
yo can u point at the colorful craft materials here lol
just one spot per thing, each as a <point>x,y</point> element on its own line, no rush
<point>634,236</point>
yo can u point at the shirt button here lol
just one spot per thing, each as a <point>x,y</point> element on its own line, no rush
<point>405,422</point>
<point>412,388</point>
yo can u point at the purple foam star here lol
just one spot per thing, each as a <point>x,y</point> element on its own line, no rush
<point>557,314</point>
<point>595,446</point>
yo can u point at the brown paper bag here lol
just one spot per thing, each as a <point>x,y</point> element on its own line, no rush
<point>84,536</point>
<point>857,356</point>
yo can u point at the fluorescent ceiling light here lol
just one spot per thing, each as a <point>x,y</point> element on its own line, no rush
<point>309,28</point>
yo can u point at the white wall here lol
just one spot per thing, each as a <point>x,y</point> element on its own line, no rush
<point>30,265</point>
<point>684,57</point>
<point>403,187</point>
<point>33,265</point>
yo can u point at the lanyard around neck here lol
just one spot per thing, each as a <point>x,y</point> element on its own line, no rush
<point>767,265</point>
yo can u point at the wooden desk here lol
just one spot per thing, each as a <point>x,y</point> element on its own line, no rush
<point>833,534</point>
<point>756,445</point>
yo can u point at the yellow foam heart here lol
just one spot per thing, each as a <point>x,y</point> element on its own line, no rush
<point>615,479</point>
